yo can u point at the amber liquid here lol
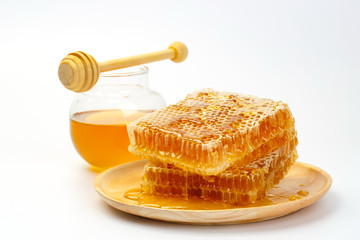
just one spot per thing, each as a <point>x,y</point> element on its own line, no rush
<point>101,137</point>
<point>276,196</point>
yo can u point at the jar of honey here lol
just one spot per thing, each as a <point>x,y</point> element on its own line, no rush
<point>99,116</point>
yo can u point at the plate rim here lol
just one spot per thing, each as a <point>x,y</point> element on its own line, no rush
<point>302,203</point>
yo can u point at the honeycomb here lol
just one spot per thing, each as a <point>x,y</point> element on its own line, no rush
<point>236,185</point>
<point>209,130</point>
<point>278,142</point>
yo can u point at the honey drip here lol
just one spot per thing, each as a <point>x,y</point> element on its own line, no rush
<point>236,186</point>
<point>208,131</point>
<point>276,196</point>
<point>101,137</point>
<point>219,147</point>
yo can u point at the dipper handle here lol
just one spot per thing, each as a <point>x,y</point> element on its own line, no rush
<point>79,71</point>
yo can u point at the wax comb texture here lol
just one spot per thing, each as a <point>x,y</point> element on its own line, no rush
<point>237,185</point>
<point>209,130</point>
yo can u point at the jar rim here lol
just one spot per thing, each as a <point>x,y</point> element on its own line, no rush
<point>127,72</point>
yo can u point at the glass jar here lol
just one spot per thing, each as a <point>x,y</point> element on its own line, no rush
<point>99,116</point>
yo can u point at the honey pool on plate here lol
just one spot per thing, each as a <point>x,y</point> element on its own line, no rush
<point>120,187</point>
<point>294,190</point>
<point>101,137</point>
<point>276,196</point>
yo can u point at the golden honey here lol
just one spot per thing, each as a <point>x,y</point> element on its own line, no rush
<point>209,130</point>
<point>236,185</point>
<point>287,190</point>
<point>214,146</point>
<point>101,137</point>
<point>176,202</point>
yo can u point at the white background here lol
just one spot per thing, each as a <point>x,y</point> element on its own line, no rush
<point>305,53</point>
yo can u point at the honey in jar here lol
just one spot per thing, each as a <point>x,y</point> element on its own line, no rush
<point>98,117</point>
<point>101,137</point>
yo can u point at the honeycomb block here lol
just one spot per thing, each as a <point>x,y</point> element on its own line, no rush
<point>237,185</point>
<point>209,130</point>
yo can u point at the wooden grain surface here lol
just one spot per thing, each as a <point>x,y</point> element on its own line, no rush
<point>113,183</point>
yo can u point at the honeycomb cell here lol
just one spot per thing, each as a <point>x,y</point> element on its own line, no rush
<point>209,130</point>
<point>236,185</point>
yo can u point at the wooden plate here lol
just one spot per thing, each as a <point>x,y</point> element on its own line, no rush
<point>302,186</point>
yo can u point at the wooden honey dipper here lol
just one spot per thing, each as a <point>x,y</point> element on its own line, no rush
<point>79,71</point>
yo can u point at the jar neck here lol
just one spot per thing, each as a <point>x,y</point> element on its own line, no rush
<point>127,77</point>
